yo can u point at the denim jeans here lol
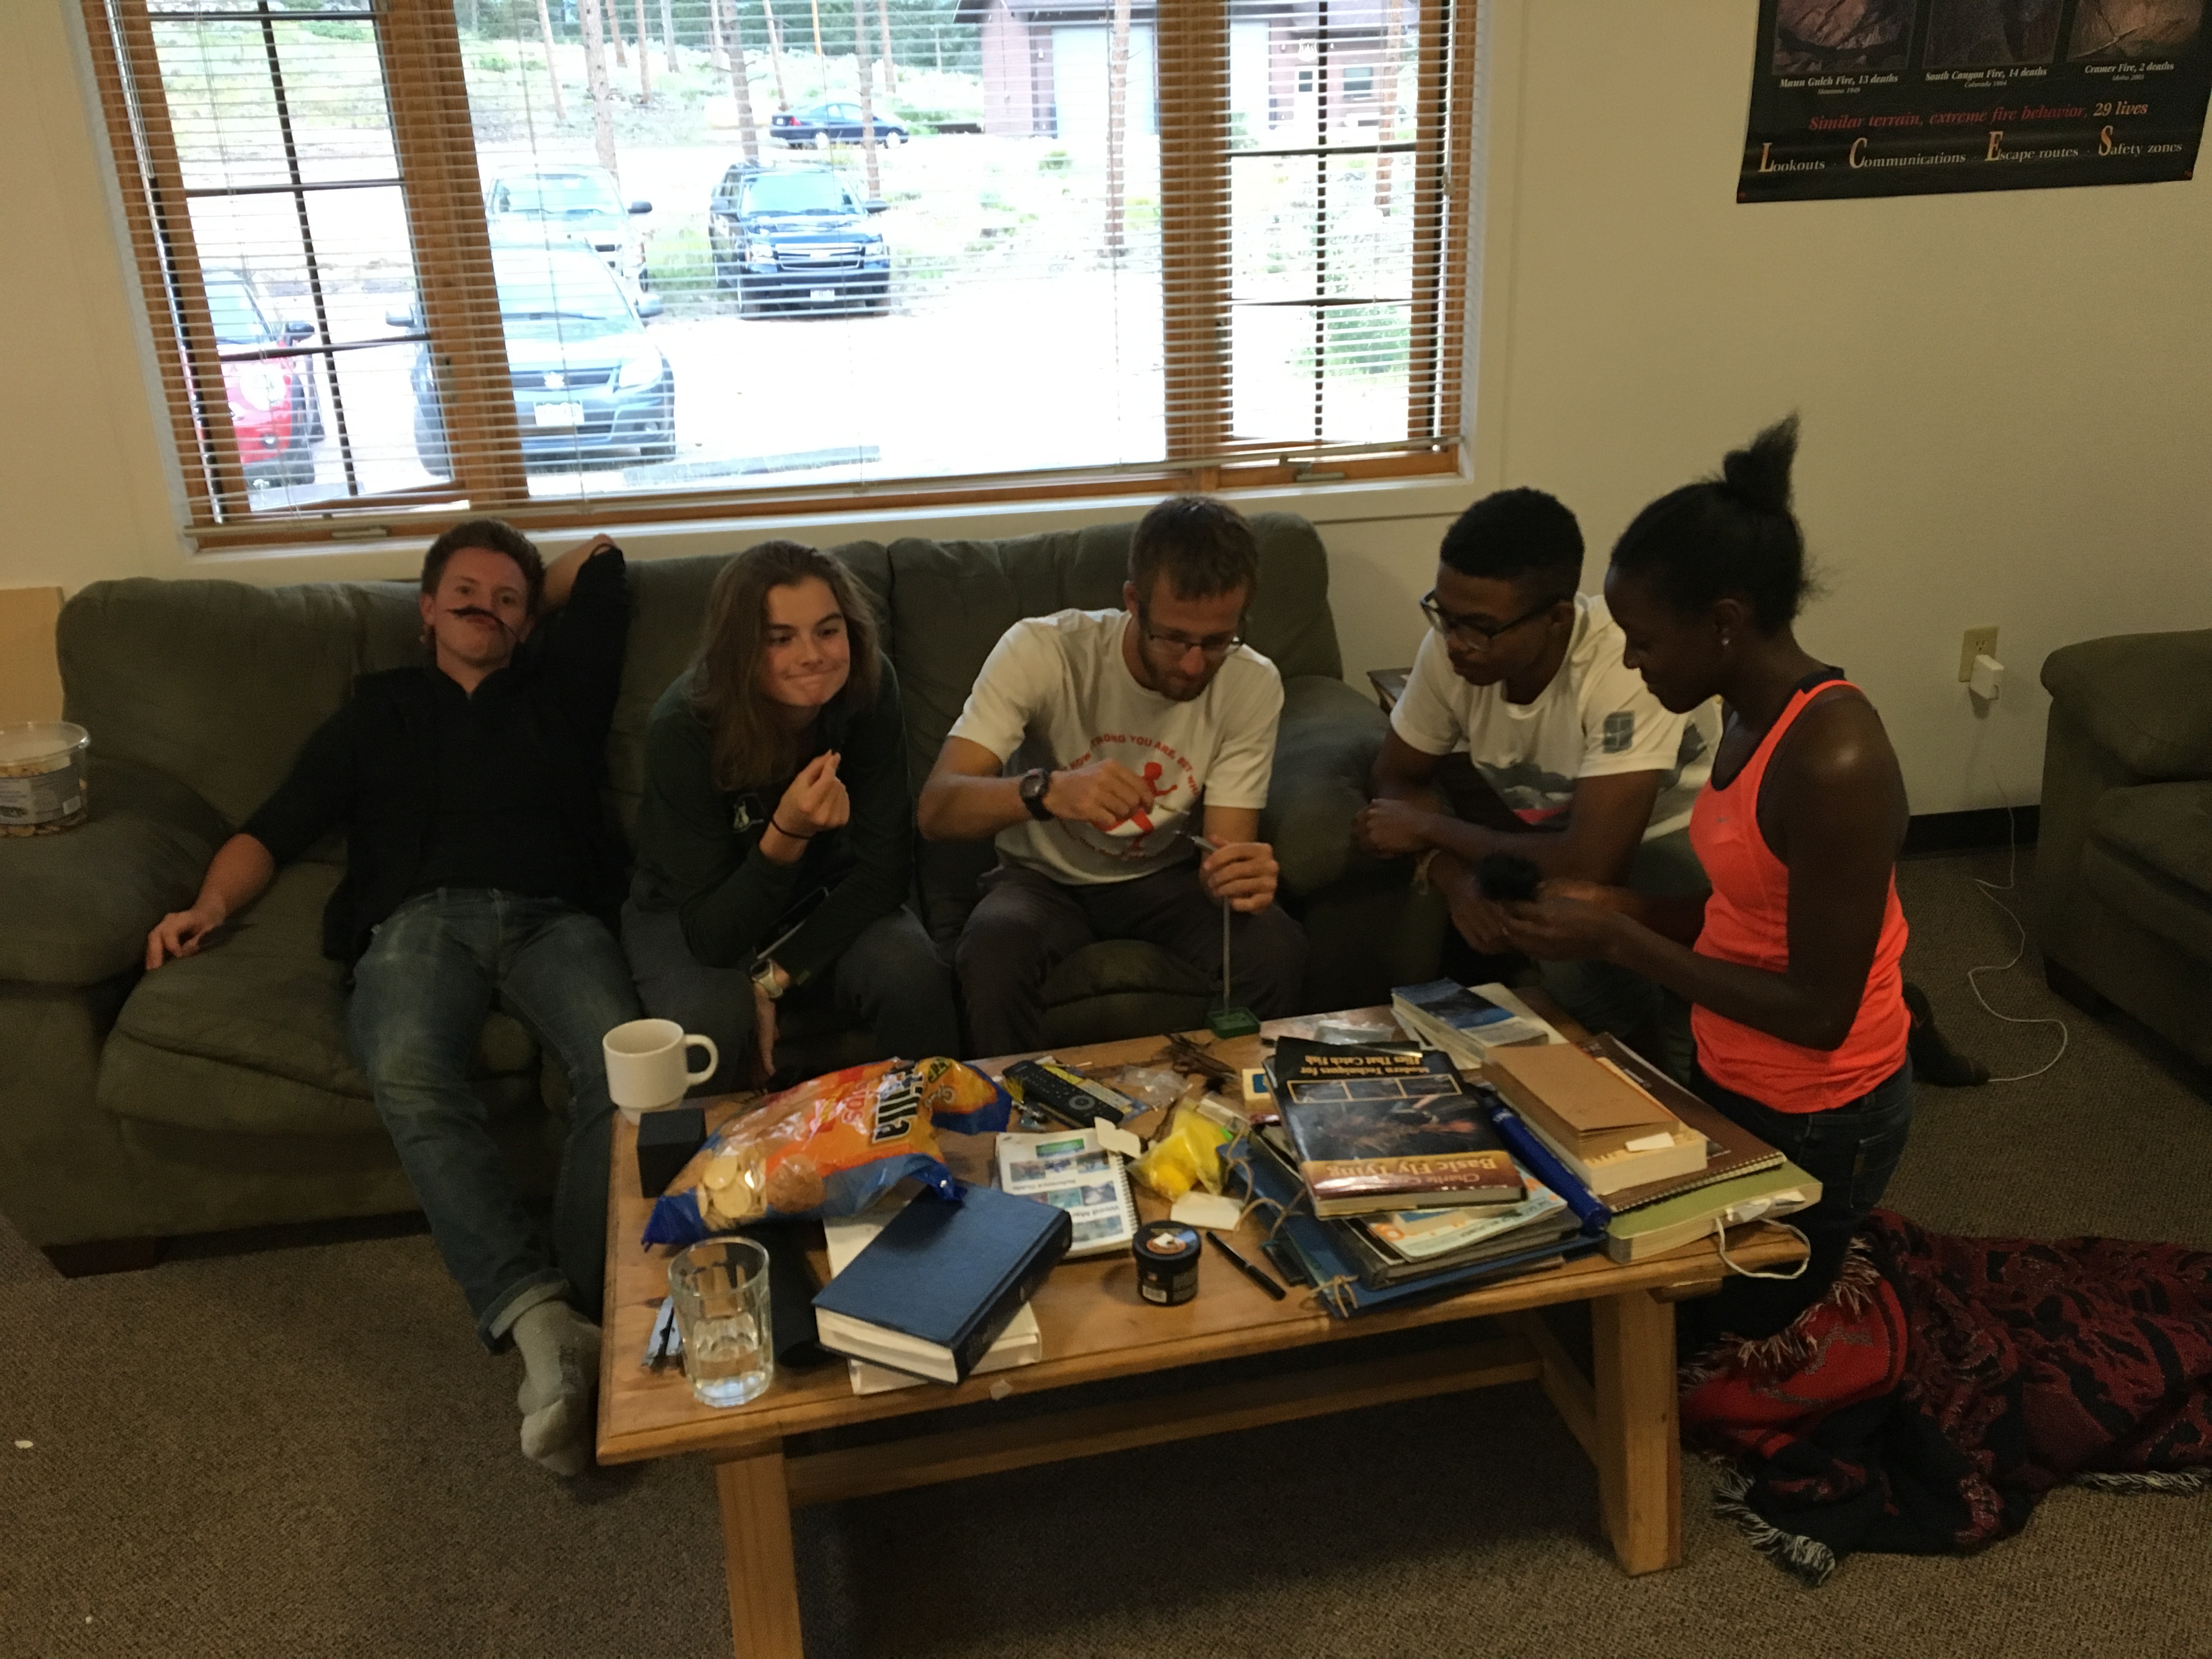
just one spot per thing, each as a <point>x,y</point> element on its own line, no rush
<point>890,980</point>
<point>1851,1150</point>
<point>420,992</point>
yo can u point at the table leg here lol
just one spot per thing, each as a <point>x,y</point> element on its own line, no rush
<point>763,1578</point>
<point>1639,1454</point>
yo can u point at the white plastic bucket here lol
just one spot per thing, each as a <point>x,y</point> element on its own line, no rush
<point>41,777</point>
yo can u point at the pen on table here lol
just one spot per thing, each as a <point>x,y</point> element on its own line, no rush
<point>1245,1267</point>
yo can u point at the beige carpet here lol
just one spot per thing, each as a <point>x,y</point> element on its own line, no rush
<point>301,1452</point>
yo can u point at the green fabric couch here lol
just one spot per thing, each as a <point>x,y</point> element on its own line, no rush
<point>218,1093</point>
<point>2124,853</point>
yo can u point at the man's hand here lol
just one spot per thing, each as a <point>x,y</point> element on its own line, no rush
<point>1242,873</point>
<point>1553,926</point>
<point>180,933</point>
<point>815,800</point>
<point>1101,795</point>
<point>1392,829</point>
<point>561,574</point>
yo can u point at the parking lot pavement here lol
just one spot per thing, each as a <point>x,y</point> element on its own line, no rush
<point>980,375</point>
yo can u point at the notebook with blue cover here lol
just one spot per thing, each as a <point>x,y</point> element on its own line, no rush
<point>933,1290</point>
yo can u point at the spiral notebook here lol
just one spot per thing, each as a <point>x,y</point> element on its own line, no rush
<point>1068,1168</point>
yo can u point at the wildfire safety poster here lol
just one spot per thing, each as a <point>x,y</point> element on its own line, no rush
<point>1916,97</point>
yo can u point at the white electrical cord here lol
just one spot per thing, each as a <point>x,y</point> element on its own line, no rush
<point>1990,891</point>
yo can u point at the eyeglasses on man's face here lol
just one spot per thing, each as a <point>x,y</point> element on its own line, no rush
<point>1213,647</point>
<point>1471,632</point>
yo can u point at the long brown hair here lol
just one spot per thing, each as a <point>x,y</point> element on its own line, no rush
<point>751,743</point>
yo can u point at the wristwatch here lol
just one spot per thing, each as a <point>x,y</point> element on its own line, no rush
<point>770,980</point>
<point>1034,783</point>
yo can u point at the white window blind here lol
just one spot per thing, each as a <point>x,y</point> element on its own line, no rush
<point>568,259</point>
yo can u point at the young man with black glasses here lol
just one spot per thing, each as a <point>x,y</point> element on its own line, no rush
<point>1526,676</point>
<point>1095,748</point>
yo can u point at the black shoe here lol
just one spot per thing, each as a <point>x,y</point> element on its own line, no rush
<point>1934,1060</point>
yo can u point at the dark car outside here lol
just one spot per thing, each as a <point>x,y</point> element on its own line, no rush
<point>797,234</point>
<point>824,124</point>
<point>275,413</point>
<point>579,202</point>
<point>587,379</point>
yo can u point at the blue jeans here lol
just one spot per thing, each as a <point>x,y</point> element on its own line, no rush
<point>1851,1150</point>
<point>420,996</point>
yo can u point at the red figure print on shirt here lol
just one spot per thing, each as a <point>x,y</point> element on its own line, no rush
<point>1174,785</point>
<point>1142,817</point>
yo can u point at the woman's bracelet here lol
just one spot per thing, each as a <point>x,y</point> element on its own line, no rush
<point>784,833</point>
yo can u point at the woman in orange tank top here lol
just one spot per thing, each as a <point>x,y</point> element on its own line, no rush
<point>1792,963</point>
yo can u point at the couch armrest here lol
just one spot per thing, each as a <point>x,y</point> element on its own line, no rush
<point>1325,748</point>
<point>2131,695</point>
<point>79,902</point>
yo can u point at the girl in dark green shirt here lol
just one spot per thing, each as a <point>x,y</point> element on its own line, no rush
<point>775,837</point>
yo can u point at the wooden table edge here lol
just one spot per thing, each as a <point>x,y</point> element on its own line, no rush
<point>747,1429</point>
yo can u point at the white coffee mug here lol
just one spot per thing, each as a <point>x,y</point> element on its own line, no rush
<point>645,1066</point>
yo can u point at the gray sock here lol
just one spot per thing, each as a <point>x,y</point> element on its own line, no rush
<point>560,1353</point>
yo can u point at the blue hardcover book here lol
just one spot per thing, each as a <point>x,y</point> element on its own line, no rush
<point>934,1289</point>
<point>1326,1262</point>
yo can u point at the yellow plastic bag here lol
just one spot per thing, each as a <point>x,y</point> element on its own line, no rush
<point>1188,1155</point>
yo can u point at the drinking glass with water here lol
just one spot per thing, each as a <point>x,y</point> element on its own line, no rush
<point>719,1287</point>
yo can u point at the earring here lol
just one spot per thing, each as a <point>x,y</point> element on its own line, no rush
<point>1724,639</point>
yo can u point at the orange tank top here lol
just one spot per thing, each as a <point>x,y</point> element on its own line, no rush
<point>1747,921</point>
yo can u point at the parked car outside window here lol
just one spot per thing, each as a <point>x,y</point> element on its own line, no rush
<point>824,124</point>
<point>274,409</point>
<point>581,202</point>
<point>797,235</point>
<point>588,380</point>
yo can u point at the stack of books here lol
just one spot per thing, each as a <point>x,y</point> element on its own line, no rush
<point>1468,1022</point>
<point>1602,1123</point>
<point>1593,1133</point>
<point>1393,1180</point>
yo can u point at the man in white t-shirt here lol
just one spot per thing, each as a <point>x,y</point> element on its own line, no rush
<point>1095,747</point>
<point>1527,678</point>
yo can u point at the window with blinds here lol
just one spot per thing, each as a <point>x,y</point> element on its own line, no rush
<point>563,259</point>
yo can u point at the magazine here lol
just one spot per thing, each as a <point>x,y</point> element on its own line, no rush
<point>1069,1168</point>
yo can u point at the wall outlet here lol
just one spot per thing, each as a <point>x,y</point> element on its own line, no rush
<point>1977,642</point>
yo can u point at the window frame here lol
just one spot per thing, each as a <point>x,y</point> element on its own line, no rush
<point>435,150</point>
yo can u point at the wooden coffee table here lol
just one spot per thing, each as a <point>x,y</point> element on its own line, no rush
<point>1096,1328</point>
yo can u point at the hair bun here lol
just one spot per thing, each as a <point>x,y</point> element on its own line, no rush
<point>1758,475</point>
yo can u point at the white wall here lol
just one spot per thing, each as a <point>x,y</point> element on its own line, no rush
<point>2005,396</point>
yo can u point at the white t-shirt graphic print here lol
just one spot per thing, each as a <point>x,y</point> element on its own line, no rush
<point>1594,720</point>
<point>1056,691</point>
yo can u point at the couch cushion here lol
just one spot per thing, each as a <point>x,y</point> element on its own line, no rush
<point>262,999</point>
<point>2132,693</point>
<point>218,684</point>
<point>78,904</point>
<point>2149,856</point>
<point>1116,965</point>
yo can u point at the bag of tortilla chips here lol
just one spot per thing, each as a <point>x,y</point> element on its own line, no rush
<point>830,1147</point>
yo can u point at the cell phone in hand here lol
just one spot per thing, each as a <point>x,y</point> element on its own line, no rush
<point>1508,877</point>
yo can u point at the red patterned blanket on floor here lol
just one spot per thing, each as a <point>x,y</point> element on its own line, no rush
<point>1927,1403</point>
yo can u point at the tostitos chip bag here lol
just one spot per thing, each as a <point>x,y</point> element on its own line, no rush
<point>831,1146</point>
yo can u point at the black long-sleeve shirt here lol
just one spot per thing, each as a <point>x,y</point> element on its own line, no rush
<point>436,787</point>
<point>700,843</point>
